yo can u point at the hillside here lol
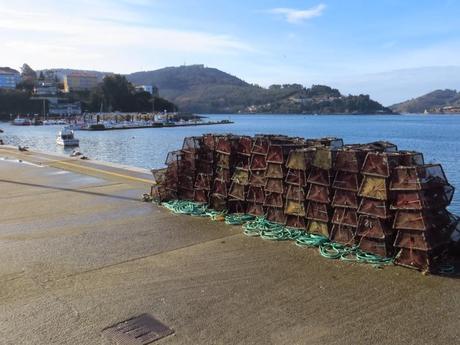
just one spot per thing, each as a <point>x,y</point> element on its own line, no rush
<point>201,89</point>
<point>208,90</point>
<point>432,102</point>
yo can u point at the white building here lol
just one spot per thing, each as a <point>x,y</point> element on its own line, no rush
<point>147,88</point>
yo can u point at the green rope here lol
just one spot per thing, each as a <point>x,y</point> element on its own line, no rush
<point>238,219</point>
<point>216,215</point>
<point>310,240</point>
<point>262,227</point>
<point>446,269</point>
<point>186,207</point>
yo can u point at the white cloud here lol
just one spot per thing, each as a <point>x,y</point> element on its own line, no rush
<point>107,36</point>
<point>295,16</point>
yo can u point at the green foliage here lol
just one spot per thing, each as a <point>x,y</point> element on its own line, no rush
<point>116,93</point>
<point>28,73</point>
<point>14,102</point>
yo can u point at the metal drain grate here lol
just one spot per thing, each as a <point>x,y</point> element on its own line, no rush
<point>140,330</point>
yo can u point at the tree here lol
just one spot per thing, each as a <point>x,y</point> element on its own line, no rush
<point>27,73</point>
<point>116,93</point>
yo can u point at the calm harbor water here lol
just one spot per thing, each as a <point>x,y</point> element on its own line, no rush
<point>436,136</point>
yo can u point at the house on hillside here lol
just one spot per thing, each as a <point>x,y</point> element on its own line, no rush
<point>9,78</point>
<point>64,108</point>
<point>153,90</point>
<point>80,81</point>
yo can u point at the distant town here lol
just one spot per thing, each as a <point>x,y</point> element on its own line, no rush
<point>54,93</point>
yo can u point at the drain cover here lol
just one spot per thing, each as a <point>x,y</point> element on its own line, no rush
<point>140,330</point>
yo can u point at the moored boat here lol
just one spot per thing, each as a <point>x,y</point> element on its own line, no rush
<point>66,137</point>
<point>21,122</point>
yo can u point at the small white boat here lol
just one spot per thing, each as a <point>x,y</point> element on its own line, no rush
<point>21,122</point>
<point>66,137</point>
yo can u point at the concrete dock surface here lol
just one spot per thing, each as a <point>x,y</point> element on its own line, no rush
<point>79,252</point>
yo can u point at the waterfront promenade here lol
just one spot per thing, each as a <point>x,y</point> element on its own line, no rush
<point>80,252</point>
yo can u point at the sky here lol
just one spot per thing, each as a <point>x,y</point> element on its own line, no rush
<point>359,45</point>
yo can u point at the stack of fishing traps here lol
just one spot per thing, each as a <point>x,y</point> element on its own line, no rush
<point>387,202</point>
<point>421,195</point>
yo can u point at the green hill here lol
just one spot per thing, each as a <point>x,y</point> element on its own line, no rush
<point>208,90</point>
<point>431,102</point>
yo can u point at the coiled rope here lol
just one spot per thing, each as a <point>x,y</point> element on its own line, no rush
<point>263,228</point>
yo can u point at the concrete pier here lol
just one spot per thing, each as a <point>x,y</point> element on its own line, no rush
<point>80,252</point>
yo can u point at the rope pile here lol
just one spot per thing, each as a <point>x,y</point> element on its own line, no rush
<point>261,227</point>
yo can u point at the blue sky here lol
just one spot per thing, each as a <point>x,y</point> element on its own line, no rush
<point>265,42</point>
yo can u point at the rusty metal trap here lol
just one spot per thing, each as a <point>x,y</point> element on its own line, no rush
<point>225,161</point>
<point>349,160</point>
<point>236,206</point>
<point>343,198</point>
<point>420,259</point>
<point>345,216</point>
<point>382,146</point>
<point>319,193</point>
<point>343,234</point>
<point>192,144</point>
<point>260,145</point>
<point>374,188</point>
<point>297,222</point>
<point>242,162</point>
<point>375,208</point>
<point>295,193</point>
<point>237,191</point>
<point>274,171</point>
<point>258,162</point>
<point>201,196</point>
<point>273,200</point>
<point>255,195</point>
<point>186,194</point>
<point>374,227</point>
<point>245,144</point>
<point>324,158</point>
<point>434,198</point>
<point>318,227</point>
<point>218,203</point>
<point>255,209</point>
<point>295,208</point>
<point>220,188</point>
<point>296,177</point>
<point>223,174</point>
<point>347,181</point>
<point>279,153</point>
<point>300,159</point>
<point>276,215</point>
<point>411,158</point>
<point>320,176</point>
<point>381,247</point>
<point>209,142</point>
<point>318,211</point>
<point>241,177</point>
<point>227,144</point>
<point>380,164</point>
<point>421,240</point>
<point>423,220</point>
<point>257,178</point>
<point>203,182</point>
<point>418,177</point>
<point>274,185</point>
